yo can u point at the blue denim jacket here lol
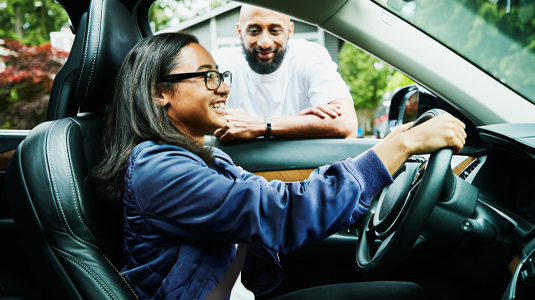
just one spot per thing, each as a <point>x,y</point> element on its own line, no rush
<point>182,217</point>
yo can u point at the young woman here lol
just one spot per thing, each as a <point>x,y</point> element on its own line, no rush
<point>186,205</point>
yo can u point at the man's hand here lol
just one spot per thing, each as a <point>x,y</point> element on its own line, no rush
<point>332,110</point>
<point>241,126</point>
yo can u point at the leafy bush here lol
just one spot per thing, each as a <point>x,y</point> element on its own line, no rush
<point>26,83</point>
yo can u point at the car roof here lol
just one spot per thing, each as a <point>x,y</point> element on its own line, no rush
<point>322,12</point>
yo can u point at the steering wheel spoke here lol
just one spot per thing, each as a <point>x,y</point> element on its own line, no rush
<point>383,246</point>
<point>371,234</point>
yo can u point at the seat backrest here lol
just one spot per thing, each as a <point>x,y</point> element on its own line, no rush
<point>73,239</point>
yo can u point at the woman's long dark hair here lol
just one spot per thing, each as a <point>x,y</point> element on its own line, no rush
<point>134,117</point>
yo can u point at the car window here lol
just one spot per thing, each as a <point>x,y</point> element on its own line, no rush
<point>370,80</point>
<point>371,83</point>
<point>497,36</point>
<point>35,40</point>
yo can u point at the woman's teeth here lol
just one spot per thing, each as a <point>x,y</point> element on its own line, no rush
<point>219,105</point>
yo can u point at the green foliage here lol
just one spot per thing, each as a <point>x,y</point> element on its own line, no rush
<point>397,80</point>
<point>499,40</point>
<point>30,21</point>
<point>365,75</point>
<point>166,13</point>
<point>368,77</point>
<point>7,20</point>
<point>157,15</point>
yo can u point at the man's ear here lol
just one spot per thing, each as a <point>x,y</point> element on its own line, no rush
<point>238,30</point>
<point>290,29</point>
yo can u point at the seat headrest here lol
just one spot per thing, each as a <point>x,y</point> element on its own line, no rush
<point>111,31</point>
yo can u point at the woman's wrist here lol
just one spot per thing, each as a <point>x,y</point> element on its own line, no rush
<point>394,151</point>
<point>406,144</point>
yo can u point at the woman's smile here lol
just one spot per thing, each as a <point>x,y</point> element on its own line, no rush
<point>219,106</point>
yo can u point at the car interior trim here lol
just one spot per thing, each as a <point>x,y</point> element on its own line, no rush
<point>473,168</point>
<point>463,165</point>
<point>287,175</point>
<point>499,212</point>
<point>513,265</point>
<point>5,157</point>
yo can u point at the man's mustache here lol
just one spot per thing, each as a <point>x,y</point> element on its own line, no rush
<point>270,49</point>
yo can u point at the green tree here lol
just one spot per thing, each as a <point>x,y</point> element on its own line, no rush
<point>493,35</point>
<point>166,13</point>
<point>366,76</point>
<point>30,21</point>
<point>396,80</point>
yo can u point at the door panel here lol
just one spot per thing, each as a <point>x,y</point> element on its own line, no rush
<point>14,275</point>
<point>10,139</point>
<point>261,155</point>
<point>326,262</point>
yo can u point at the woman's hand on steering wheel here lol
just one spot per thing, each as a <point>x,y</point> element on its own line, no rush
<point>442,131</point>
<point>439,132</point>
<point>403,208</point>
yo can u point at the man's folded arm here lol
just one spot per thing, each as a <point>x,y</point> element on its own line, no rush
<point>242,126</point>
<point>312,126</point>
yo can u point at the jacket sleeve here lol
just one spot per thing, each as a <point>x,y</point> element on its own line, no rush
<point>177,193</point>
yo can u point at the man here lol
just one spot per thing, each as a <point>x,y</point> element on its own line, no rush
<point>282,87</point>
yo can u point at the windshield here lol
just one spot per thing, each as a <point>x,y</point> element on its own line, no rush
<point>496,35</point>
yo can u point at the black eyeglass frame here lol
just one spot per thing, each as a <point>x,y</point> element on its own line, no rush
<point>181,76</point>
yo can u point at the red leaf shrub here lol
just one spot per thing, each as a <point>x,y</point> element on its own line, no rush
<point>28,77</point>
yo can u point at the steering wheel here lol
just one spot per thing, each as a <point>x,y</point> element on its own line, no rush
<point>389,233</point>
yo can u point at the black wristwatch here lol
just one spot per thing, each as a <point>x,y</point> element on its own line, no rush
<point>268,128</point>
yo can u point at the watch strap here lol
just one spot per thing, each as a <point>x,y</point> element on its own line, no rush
<point>267,135</point>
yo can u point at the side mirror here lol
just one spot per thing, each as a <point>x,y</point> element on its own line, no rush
<point>410,102</point>
<point>403,106</point>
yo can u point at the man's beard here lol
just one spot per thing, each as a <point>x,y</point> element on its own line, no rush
<point>262,67</point>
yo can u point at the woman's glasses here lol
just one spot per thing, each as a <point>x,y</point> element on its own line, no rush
<point>212,79</point>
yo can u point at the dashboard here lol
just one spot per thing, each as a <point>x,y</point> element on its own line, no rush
<point>506,179</point>
<point>504,173</point>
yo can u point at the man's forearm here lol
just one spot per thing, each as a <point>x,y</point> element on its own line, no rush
<point>242,126</point>
<point>311,126</point>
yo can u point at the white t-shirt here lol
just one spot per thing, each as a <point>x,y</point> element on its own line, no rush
<point>307,77</point>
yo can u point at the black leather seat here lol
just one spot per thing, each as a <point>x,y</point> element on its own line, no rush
<point>73,239</point>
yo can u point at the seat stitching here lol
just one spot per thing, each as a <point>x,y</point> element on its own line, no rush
<point>69,162</point>
<point>57,194</point>
<point>74,186</point>
<point>96,50</point>
<point>122,277</point>
<point>97,279</point>
<point>86,47</point>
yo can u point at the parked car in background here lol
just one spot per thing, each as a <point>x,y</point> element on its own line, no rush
<point>380,121</point>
